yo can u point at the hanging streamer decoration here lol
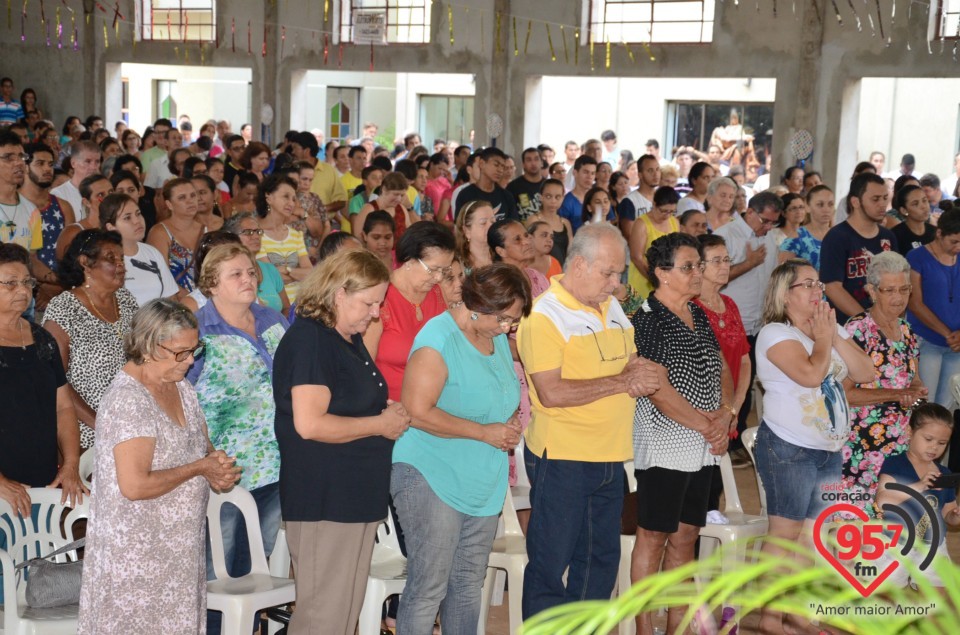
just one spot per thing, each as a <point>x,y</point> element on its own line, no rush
<point>590,38</point>
<point>43,21</point>
<point>499,46</point>
<point>326,48</point>
<point>553,53</point>
<point>183,30</point>
<point>9,14</point>
<point>516,45</point>
<point>566,54</point>
<point>59,30</point>
<point>371,57</point>
<point>836,11</point>
<point>263,47</point>
<point>283,40</point>
<point>450,22</point>
<point>340,55</point>
<point>856,15</point>
<point>607,61</point>
<point>633,59</point>
<point>23,22</point>
<point>249,39</point>
<point>106,40</point>
<point>576,47</point>
<point>526,40</point>
<point>233,35</point>
<point>74,37</point>
<point>880,23</point>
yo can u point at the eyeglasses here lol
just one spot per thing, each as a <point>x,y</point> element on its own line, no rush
<point>506,319</point>
<point>604,358</point>
<point>435,271</point>
<point>726,260</point>
<point>905,290</point>
<point>27,283</point>
<point>687,269</point>
<point>251,232</point>
<point>809,284</point>
<point>181,356</point>
<point>15,157</point>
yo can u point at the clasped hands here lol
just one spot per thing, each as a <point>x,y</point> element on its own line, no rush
<point>504,436</point>
<point>220,470</point>
<point>641,377</point>
<point>718,425</point>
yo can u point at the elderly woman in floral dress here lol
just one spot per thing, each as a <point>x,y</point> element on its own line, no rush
<point>880,410</point>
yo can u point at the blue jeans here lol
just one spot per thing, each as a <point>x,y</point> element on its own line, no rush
<point>236,548</point>
<point>447,554</point>
<point>938,364</point>
<point>575,522</point>
<point>796,479</point>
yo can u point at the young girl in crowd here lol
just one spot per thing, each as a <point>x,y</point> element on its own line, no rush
<point>542,246</point>
<point>551,198</point>
<point>931,425</point>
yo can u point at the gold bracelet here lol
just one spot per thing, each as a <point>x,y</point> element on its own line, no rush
<point>730,408</point>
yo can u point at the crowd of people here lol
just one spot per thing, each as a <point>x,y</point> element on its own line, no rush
<point>350,330</point>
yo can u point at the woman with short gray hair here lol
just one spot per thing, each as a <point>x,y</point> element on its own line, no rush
<point>880,409</point>
<point>270,292</point>
<point>152,475</point>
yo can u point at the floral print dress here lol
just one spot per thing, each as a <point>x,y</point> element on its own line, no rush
<point>882,429</point>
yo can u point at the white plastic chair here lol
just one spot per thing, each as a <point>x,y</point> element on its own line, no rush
<point>388,576</point>
<point>239,599</point>
<point>740,526</point>
<point>87,460</point>
<point>521,491</point>
<point>749,439</point>
<point>510,555</point>
<point>27,539</point>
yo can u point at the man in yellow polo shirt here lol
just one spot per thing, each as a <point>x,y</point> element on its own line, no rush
<point>327,185</point>
<point>578,351</point>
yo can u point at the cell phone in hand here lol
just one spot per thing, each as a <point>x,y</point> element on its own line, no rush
<point>947,481</point>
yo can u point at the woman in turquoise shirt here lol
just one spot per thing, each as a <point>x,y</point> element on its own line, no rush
<point>450,468</point>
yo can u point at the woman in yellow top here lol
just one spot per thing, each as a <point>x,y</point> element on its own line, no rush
<point>282,246</point>
<point>659,221</point>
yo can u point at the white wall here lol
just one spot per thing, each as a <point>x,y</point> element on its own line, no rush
<point>203,92</point>
<point>385,98</point>
<point>636,108</point>
<point>377,98</point>
<point>901,115</point>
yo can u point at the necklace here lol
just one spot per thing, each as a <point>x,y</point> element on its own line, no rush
<point>10,224</point>
<point>710,305</point>
<point>23,344</point>
<point>116,308</point>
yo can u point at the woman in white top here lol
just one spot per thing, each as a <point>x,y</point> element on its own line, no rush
<point>148,276</point>
<point>803,355</point>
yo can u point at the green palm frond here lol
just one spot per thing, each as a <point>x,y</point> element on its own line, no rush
<point>798,582</point>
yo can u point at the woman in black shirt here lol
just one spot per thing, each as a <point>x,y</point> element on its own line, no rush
<point>335,429</point>
<point>39,421</point>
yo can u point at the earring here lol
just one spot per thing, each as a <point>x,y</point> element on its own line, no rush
<point>474,316</point>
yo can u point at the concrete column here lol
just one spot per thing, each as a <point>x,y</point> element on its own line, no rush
<point>94,86</point>
<point>796,102</point>
<point>494,97</point>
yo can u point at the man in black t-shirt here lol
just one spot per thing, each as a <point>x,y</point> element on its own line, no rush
<point>526,187</point>
<point>849,247</point>
<point>492,162</point>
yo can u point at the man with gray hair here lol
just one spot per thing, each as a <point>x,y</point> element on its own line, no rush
<point>85,161</point>
<point>579,354</point>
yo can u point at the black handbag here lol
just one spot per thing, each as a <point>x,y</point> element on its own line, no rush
<point>53,584</point>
